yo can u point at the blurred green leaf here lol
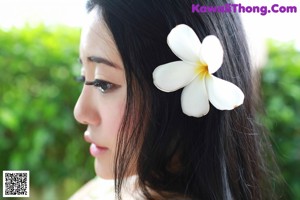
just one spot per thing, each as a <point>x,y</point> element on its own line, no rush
<point>38,92</point>
<point>280,87</point>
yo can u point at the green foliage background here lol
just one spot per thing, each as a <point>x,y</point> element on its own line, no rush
<point>280,81</point>
<point>38,93</point>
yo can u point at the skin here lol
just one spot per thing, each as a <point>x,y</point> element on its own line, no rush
<point>101,111</point>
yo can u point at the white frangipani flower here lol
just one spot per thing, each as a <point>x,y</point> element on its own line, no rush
<point>194,73</point>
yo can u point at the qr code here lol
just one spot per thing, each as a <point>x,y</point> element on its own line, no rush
<point>15,183</point>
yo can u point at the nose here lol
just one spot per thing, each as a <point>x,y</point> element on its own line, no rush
<point>86,110</point>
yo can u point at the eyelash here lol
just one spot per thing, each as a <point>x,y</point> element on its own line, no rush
<point>102,85</point>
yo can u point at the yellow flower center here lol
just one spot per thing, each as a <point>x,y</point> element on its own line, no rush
<point>201,70</point>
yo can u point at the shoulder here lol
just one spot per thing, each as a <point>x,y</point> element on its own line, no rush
<point>94,189</point>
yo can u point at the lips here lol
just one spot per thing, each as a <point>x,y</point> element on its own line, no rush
<point>95,149</point>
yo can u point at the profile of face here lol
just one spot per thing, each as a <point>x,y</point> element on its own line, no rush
<point>102,102</point>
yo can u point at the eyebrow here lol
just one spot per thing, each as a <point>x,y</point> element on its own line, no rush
<point>97,59</point>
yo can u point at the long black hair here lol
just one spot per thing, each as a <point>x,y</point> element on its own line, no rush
<point>218,156</point>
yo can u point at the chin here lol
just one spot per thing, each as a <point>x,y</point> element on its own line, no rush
<point>103,170</point>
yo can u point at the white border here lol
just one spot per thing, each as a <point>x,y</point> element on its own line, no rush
<point>16,171</point>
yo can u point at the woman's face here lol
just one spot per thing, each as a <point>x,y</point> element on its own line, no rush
<point>101,106</point>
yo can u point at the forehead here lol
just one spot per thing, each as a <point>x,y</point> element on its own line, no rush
<point>96,38</point>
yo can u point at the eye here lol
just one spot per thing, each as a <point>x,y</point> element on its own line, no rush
<point>80,79</point>
<point>103,86</point>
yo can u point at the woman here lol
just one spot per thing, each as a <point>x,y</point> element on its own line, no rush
<point>149,134</point>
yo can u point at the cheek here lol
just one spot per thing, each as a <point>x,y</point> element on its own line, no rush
<point>112,119</point>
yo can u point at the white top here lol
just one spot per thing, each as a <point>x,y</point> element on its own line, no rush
<point>99,188</point>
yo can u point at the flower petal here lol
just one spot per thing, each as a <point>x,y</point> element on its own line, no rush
<point>222,94</point>
<point>173,76</point>
<point>212,53</point>
<point>184,43</point>
<point>194,99</point>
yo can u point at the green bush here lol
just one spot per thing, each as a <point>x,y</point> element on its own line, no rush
<point>281,97</point>
<point>38,92</point>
